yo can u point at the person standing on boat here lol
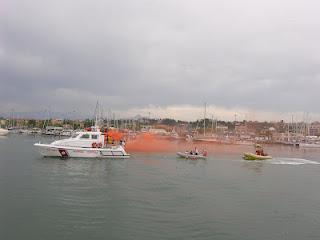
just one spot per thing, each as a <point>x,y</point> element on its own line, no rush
<point>109,139</point>
<point>122,143</point>
<point>196,151</point>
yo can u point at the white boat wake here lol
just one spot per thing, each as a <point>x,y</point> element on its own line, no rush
<point>292,161</point>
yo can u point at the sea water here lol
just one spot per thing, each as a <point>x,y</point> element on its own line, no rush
<point>156,195</point>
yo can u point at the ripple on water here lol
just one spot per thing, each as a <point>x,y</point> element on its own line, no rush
<point>292,161</point>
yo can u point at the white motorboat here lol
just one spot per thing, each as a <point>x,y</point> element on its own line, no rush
<point>211,139</point>
<point>83,145</point>
<point>66,133</point>
<point>3,132</point>
<point>309,145</point>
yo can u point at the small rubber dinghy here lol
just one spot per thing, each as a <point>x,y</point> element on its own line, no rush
<point>259,155</point>
<point>194,156</point>
<point>252,156</point>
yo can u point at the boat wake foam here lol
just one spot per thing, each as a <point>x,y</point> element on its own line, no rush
<point>292,161</point>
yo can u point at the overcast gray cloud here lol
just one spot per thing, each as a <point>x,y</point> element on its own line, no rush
<point>259,55</point>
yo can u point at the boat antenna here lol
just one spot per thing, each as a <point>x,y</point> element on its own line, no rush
<point>97,114</point>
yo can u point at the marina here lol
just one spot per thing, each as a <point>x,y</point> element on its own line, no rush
<point>159,120</point>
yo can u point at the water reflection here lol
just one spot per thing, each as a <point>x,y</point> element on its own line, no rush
<point>194,162</point>
<point>80,167</point>
<point>255,166</point>
<point>190,167</point>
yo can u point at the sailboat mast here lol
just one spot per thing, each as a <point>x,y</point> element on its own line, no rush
<point>204,120</point>
<point>292,127</point>
<point>96,114</point>
<point>212,126</point>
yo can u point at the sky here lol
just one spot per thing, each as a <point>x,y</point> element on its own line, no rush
<point>258,59</point>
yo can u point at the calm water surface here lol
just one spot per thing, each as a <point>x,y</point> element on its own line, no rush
<point>157,196</point>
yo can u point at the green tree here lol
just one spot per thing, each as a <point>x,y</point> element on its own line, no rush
<point>88,123</point>
<point>32,123</point>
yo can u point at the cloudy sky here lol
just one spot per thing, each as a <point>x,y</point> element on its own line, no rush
<point>257,58</point>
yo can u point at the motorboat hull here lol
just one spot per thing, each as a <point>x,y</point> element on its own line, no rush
<point>3,132</point>
<point>309,145</point>
<point>208,139</point>
<point>252,156</point>
<point>48,150</point>
<point>190,156</point>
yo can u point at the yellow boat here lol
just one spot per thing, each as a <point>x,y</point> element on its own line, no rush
<point>252,156</point>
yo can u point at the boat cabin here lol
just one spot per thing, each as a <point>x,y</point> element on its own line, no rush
<point>83,140</point>
<point>88,135</point>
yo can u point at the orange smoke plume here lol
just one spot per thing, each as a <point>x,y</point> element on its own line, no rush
<point>149,143</point>
<point>117,136</point>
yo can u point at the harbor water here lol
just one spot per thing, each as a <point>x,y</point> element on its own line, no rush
<point>156,195</point>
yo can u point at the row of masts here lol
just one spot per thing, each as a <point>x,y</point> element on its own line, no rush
<point>294,129</point>
<point>109,119</point>
<point>213,121</point>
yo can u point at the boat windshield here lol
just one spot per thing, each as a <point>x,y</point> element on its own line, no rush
<point>94,136</point>
<point>85,136</point>
<point>75,136</point>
